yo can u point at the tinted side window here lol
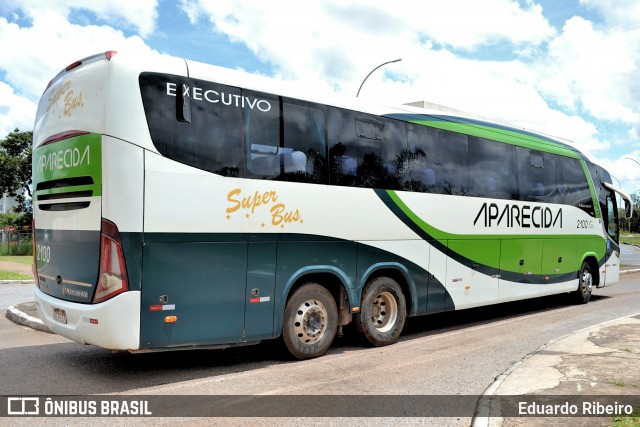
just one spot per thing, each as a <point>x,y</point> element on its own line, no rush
<point>360,154</point>
<point>573,187</point>
<point>287,144</point>
<point>598,176</point>
<point>305,135</point>
<point>537,176</point>
<point>492,169</point>
<point>612,218</point>
<point>419,160</point>
<point>213,139</point>
<point>438,161</point>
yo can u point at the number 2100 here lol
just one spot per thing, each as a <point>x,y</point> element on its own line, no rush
<point>43,253</point>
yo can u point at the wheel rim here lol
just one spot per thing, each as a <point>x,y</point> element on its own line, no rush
<point>587,282</point>
<point>384,311</point>
<point>310,322</point>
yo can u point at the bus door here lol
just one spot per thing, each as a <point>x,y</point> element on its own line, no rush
<point>612,262</point>
<point>260,291</point>
<point>610,216</point>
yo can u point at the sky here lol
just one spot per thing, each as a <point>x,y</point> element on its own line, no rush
<point>566,68</point>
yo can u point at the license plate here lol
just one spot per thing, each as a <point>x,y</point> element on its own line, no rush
<point>59,315</point>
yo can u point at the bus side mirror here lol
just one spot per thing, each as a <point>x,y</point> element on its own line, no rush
<point>627,209</point>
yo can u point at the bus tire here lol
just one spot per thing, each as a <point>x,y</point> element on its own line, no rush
<point>585,284</point>
<point>383,312</point>
<point>310,321</point>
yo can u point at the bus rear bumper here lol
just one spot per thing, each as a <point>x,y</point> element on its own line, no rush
<point>113,324</point>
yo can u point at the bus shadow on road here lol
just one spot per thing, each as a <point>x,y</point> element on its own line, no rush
<point>74,369</point>
<point>439,323</point>
<point>454,320</point>
<point>91,370</point>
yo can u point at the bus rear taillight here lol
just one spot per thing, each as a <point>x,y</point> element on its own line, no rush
<point>112,279</point>
<point>34,266</point>
<point>62,135</point>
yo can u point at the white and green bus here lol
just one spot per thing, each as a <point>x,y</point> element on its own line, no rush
<point>180,205</point>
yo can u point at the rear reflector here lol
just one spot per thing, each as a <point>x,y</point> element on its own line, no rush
<point>73,65</point>
<point>112,279</point>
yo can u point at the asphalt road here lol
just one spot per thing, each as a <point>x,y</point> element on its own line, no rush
<point>629,255</point>
<point>448,354</point>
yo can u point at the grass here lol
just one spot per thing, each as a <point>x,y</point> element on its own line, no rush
<point>621,383</point>
<point>630,238</point>
<point>26,259</point>
<point>632,420</point>
<point>12,275</point>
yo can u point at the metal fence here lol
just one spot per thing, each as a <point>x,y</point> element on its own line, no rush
<point>16,241</point>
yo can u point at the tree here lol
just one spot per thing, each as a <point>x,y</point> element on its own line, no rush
<point>15,170</point>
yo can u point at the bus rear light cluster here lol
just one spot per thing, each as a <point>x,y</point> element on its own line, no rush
<point>34,266</point>
<point>112,279</point>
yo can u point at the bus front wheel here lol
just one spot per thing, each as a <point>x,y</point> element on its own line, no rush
<point>585,284</point>
<point>383,312</point>
<point>310,321</point>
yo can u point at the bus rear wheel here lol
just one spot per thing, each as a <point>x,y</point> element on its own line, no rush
<point>383,312</point>
<point>585,284</point>
<point>310,321</point>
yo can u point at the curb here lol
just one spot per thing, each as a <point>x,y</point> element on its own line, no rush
<point>481,415</point>
<point>17,282</point>
<point>21,318</point>
<point>632,270</point>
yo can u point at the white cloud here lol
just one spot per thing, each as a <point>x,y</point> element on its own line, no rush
<point>594,70</point>
<point>618,13</point>
<point>342,42</point>
<point>140,15</point>
<point>33,55</point>
<point>15,111</point>
<point>625,172</point>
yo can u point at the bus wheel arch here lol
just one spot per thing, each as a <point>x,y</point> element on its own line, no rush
<point>383,310</point>
<point>334,282</point>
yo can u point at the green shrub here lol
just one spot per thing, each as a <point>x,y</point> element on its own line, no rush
<point>22,247</point>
